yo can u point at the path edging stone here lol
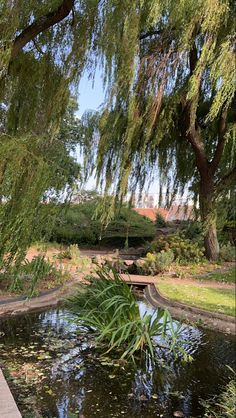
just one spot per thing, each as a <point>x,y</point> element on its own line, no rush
<point>8,407</point>
<point>212,320</point>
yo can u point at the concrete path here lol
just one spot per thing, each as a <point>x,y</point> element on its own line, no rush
<point>8,408</point>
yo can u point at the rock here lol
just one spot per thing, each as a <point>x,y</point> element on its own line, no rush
<point>178,414</point>
<point>143,398</point>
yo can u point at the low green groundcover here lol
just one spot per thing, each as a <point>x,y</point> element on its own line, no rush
<point>224,277</point>
<point>213,299</point>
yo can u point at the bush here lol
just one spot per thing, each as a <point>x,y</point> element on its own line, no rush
<point>230,224</point>
<point>73,253</point>
<point>160,221</point>
<point>193,231</point>
<point>78,226</point>
<point>184,249</point>
<point>155,263</point>
<point>38,268</point>
<point>227,252</point>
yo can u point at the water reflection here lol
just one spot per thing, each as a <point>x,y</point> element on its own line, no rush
<point>75,382</point>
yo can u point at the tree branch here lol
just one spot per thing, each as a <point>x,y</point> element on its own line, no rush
<point>194,139</point>
<point>221,142</point>
<point>149,33</point>
<point>228,180</point>
<point>193,132</point>
<point>40,25</point>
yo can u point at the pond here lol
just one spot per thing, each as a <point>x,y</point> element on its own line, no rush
<point>54,372</point>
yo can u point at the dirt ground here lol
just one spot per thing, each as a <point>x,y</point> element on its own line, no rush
<point>177,275</point>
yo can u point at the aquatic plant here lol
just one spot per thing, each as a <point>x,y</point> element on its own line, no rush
<point>225,405</point>
<point>107,307</point>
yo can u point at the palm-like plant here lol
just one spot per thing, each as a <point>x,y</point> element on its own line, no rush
<point>107,307</point>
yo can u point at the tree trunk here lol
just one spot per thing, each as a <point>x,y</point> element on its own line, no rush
<point>211,243</point>
<point>209,218</point>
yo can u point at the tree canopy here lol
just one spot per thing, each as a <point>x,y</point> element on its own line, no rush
<point>171,104</point>
<point>169,73</point>
<point>82,224</point>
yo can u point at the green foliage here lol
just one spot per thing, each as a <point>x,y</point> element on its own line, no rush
<point>108,308</point>
<point>225,405</point>
<point>228,276</point>
<point>193,231</point>
<point>144,48</point>
<point>184,249</point>
<point>27,276</point>
<point>170,109</point>
<point>155,263</point>
<point>144,125</point>
<point>38,268</point>
<point>82,225</point>
<point>230,224</point>
<point>64,254</point>
<point>74,255</point>
<point>228,252</point>
<point>221,300</point>
<point>32,170</point>
<point>160,221</point>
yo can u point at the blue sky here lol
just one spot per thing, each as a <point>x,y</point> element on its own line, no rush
<point>91,94</point>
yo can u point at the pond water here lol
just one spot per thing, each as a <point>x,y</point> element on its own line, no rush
<point>54,372</point>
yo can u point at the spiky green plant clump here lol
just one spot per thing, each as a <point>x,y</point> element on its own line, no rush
<point>225,405</point>
<point>108,308</point>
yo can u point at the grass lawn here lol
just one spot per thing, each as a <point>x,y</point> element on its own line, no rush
<point>224,277</point>
<point>216,300</point>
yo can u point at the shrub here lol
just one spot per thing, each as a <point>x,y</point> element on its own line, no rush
<point>73,253</point>
<point>155,263</point>
<point>184,249</point>
<point>160,221</point>
<point>108,308</point>
<point>229,231</point>
<point>38,268</point>
<point>230,224</point>
<point>193,231</point>
<point>64,254</point>
<point>227,252</point>
<point>78,226</point>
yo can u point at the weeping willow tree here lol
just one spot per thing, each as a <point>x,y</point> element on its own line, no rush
<point>168,68</point>
<point>36,129</point>
<point>170,109</point>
